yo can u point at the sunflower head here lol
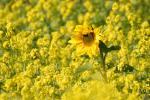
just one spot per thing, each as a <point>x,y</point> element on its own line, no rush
<point>86,40</point>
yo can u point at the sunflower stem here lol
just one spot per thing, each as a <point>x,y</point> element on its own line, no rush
<point>103,51</point>
<point>103,72</point>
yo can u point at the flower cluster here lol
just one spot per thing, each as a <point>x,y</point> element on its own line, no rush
<point>49,49</point>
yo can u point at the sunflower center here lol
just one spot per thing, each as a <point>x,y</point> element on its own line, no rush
<point>88,38</point>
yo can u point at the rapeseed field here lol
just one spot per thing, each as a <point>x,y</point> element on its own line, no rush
<point>74,49</point>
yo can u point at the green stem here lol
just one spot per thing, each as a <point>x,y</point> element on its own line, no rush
<point>103,72</point>
<point>103,52</point>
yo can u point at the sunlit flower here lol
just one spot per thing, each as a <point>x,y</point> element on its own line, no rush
<point>86,39</point>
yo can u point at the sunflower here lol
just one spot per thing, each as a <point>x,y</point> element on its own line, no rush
<point>86,40</point>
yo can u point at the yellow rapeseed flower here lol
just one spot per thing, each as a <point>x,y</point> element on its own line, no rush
<point>86,40</point>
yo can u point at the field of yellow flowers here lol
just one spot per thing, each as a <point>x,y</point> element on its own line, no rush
<point>74,49</point>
